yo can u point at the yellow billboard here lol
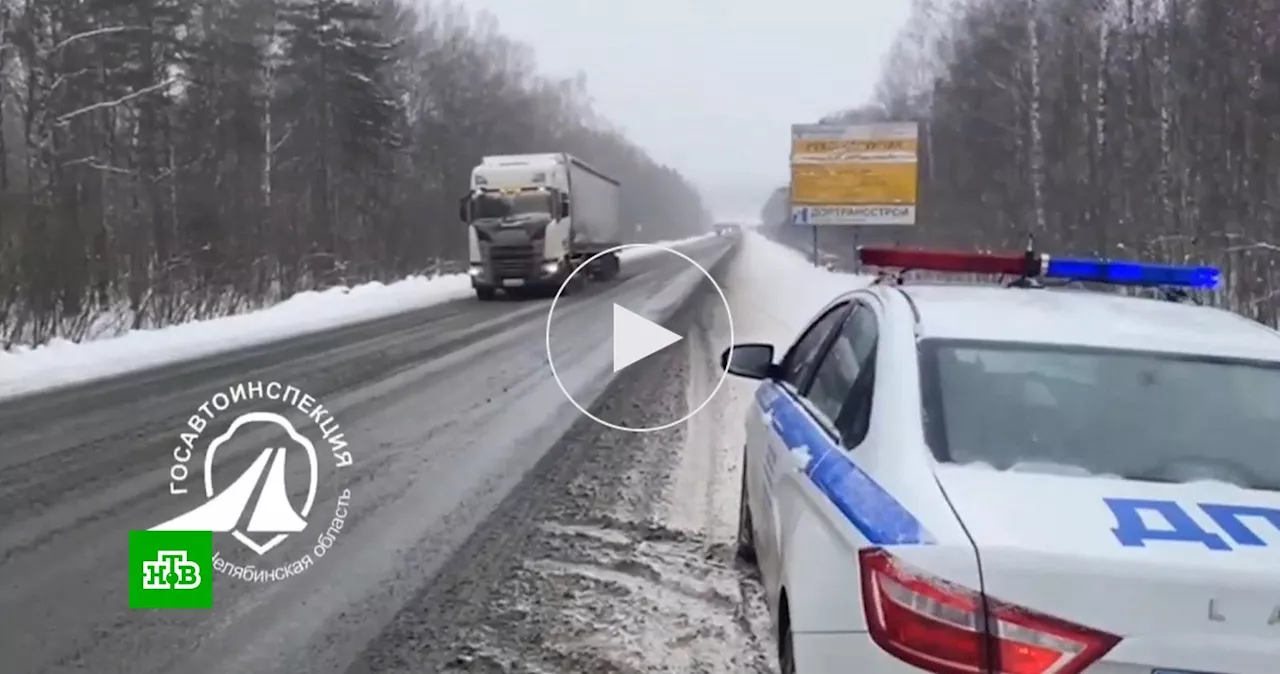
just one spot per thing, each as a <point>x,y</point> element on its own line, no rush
<point>826,150</point>
<point>854,174</point>
<point>853,184</point>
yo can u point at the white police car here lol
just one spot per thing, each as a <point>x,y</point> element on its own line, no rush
<point>965,479</point>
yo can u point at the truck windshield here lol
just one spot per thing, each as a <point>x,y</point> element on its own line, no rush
<point>1074,410</point>
<point>505,205</point>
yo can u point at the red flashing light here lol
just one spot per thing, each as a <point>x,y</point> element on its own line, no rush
<point>940,627</point>
<point>952,261</point>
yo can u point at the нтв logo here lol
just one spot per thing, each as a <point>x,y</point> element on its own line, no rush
<point>273,518</point>
<point>170,569</point>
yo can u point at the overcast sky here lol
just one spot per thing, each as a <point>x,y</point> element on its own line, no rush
<point>711,87</point>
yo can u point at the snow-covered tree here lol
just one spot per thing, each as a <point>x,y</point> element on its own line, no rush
<point>177,159</point>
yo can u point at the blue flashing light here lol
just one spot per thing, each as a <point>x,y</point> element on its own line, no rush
<point>1133,273</point>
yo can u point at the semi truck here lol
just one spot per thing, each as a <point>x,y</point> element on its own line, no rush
<point>533,219</point>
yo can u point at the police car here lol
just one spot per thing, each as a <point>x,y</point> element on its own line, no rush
<point>1018,478</point>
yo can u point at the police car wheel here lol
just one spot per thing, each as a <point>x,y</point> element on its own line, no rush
<point>746,535</point>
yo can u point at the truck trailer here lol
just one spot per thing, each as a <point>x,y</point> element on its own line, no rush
<point>533,219</point>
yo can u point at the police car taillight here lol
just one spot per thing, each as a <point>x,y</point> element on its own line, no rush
<point>944,628</point>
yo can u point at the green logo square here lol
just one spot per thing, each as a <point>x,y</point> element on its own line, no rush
<point>171,569</point>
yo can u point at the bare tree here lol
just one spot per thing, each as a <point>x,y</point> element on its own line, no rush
<point>168,160</point>
<point>1137,129</point>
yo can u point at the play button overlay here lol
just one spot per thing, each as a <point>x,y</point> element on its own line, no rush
<point>636,338</point>
<point>656,329</point>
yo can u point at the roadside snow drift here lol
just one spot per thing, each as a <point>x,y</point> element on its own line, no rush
<point>62,362</point>
<point>775,291</point>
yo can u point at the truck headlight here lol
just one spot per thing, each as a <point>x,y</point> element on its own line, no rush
<point>549,268</point>
<point>476,270</point>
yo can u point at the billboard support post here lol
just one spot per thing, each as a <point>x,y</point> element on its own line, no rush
<point>857,264</point>
<point>815,244</point>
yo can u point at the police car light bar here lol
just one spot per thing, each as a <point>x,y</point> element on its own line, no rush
<point>1134,273</point>
<point>943,260</point>
<point>1035,265</point>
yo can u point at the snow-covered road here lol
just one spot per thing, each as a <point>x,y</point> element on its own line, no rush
<point>492,528</point>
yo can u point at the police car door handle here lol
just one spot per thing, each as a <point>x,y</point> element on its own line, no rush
<point>798,458</point>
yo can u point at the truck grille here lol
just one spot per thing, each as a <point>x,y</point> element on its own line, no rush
<point>512,260</point>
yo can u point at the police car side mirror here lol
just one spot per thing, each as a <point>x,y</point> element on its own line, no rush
<point>753,361</point>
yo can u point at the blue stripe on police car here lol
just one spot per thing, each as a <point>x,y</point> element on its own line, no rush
<point>880,518</point>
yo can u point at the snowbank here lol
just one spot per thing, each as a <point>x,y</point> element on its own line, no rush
<point>774,291</point>
<point>62,362</point>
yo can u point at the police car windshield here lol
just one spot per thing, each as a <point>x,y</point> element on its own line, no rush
<point>1075,410</point>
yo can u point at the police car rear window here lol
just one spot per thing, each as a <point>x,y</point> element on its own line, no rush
<point>1074,410</point>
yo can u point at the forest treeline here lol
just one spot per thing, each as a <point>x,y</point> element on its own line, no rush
<point>1135,129</point>
<point>166,160</point>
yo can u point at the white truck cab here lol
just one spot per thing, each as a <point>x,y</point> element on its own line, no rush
<point>533,219</point>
